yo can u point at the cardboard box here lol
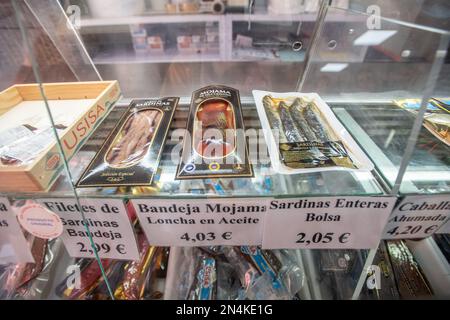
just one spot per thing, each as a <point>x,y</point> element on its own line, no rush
<point>81,106</point>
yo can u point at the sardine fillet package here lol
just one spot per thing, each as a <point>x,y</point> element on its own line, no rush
<point>131,153</point>
<point>304,135</point>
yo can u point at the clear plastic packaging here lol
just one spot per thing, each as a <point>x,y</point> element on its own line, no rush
<point>90,278</point>
<point>135,273</point>
<point>135,137</point>
<point>38,287</point>
<point>303,134</point>
<point>436,118</point>
<point>234,273</point>
<point>26,147</point>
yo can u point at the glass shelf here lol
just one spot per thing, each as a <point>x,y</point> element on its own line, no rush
<point>383,129</point>
<point>371,124</point>
<point>266,182</point>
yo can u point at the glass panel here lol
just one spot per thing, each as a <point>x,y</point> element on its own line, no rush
<point>60,28</point>
<point>177,52</point>
<point>34,117</point>
<point>428,170</point>
<point>362,72</point>
<point>431,13</point>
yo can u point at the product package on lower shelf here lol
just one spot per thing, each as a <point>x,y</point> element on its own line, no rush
<point>232,273</point>
<point>436,118</point>
<point>56,275</point>
<point>128,280</point>
<point>398,274</point>
<point>30,281</point>
<point>411,282</point>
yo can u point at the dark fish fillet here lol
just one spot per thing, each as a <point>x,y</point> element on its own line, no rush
<point>315,124</point>
<point>274,118</point>
<point>300,121</point>
<point>290,130</point>
<point>90,276</point>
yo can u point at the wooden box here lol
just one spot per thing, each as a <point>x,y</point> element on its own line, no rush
<point>81,106</point>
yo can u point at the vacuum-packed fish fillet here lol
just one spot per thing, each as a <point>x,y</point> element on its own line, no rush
<point>215,144</point>
<point>310,136</point>
<point>274,118</point>
<point>134,139</point>
<point>215,120</point>
<point>290,130</point>
<point>302,125</point>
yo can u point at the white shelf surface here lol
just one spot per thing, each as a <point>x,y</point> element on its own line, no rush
<point>151,19</point>
<point>169,55</point>
<point>192,18</point>
<point>225,25</point>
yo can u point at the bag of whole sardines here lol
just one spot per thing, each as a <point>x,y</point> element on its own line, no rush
<point>304,135</point>
<point>131,153</point>
<point>214,144</point>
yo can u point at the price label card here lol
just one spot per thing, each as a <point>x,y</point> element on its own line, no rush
<point>417,217</point>
<point>108,223</point>
<point>202,222</point>
<point>326,222</point>
<point>13,245</point>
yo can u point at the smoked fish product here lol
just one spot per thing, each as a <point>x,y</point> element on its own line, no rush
<point>215,145</point>
<point>204,286</point>
<point>135,273</point>
<point>131,144</point>
<point>91,277</point>
<point>290,129</point>
<point>300,121</point>
<point>310,138</point>
<point>274,118</point>
<point>131,153</point>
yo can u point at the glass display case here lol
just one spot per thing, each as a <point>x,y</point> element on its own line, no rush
<point>98,103</point>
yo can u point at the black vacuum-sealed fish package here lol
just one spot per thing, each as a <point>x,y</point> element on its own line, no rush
<point>214,144</point>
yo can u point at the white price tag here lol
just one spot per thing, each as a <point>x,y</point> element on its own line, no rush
<point>108,223</point>
<point>202,222</point>
<point>417,217</point>
<point>326,222</point>
<point>13,245</point>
